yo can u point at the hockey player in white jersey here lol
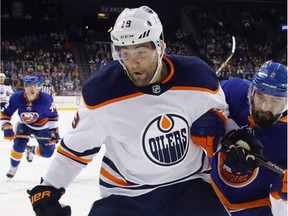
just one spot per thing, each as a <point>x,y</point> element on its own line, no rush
<point>5,91</point>
<point>142,107</point>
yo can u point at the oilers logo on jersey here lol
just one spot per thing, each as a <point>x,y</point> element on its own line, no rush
<point>166,139</point>
<point>236,180</point>
<point>29,117</point>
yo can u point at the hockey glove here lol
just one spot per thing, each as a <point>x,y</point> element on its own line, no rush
<point>279,187</point>
<point>234,144</point>
<point>45,201</point>
<point>8,131</point>
<point>55,137</point>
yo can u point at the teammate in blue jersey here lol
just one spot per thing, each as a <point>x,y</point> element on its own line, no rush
<point>141,107</point>
<point>260,109</point>
<point>37,116</point>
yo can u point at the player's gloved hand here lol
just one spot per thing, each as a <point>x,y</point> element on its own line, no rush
<point>234,144</point>
<point>55,137</point>
<point>279,187</point>
<point>45,201</point>
<point>8,131</point>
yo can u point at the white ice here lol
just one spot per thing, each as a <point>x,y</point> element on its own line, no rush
<point>14,200</point>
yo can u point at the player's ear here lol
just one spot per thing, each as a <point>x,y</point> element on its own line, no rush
<point>162,46</point>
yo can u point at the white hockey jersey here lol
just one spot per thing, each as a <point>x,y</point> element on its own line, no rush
<point>145,130</point>
<point>5,92</point>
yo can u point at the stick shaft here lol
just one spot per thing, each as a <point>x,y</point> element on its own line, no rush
<point>223,65</point>
<point>29,136</point>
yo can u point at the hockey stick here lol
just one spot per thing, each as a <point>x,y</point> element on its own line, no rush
<point>33,136</point>
<point>266,163</point>
<point>229,57</point>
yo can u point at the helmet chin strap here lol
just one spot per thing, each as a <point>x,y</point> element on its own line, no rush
<point>159,66</point>
<point>157,71</point>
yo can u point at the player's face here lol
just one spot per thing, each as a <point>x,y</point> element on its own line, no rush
<point>140,62</point>
<point>32,89</point>
<point>267,109</point>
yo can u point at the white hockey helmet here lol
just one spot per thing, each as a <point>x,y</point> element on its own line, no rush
<point>2,78</point>
<point>136,26</point>
<point>2,75</point>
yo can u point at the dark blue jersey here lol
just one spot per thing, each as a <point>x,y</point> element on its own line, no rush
<point>39,114</point>
<point>249,189</point>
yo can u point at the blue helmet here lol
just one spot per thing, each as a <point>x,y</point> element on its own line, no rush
<point>31,80</point>
<point>271,79</point>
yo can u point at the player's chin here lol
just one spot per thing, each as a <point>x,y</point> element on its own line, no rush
<point>140,82</point>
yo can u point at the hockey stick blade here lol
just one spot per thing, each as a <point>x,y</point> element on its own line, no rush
<point>266,163</point>
<point>229,57</point>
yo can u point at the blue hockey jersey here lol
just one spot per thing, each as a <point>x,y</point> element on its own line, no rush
<point>248,190</point>
<point>39,114</point>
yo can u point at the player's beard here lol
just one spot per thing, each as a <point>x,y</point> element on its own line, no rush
<point>264,119</point>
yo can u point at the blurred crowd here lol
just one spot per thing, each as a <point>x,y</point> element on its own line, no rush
<point>208,35</point>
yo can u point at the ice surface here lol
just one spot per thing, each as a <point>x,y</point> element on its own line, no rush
<point>14,200</point>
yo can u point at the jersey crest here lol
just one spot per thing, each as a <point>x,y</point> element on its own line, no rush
<point>166,139</point>
<point>29,117</point>
<point>236,180</point>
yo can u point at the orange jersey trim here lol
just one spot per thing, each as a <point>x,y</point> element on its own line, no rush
<point>113,100</point>
<point>196,89</point>
<point>69,155</point>
<point>246,205</point>
<point>284,119</point>
<point>172,69</point>
<point>112,178</point>
<point>2,116</point>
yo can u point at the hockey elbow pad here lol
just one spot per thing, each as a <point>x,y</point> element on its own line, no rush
<point>207,130</point>
<point>45,201</point>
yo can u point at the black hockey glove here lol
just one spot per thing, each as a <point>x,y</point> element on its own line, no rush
<point>234,144</point>
<point>45,201</point>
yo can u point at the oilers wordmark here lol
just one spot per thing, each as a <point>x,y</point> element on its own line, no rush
<point>166,139</point>
<point>176,139</point>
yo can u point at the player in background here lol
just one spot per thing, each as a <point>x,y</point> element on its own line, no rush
<point>47,87</point>
<point>260,109</point>
<point>5,91</point>
<point>141,107</point>
<point>38,117</point>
